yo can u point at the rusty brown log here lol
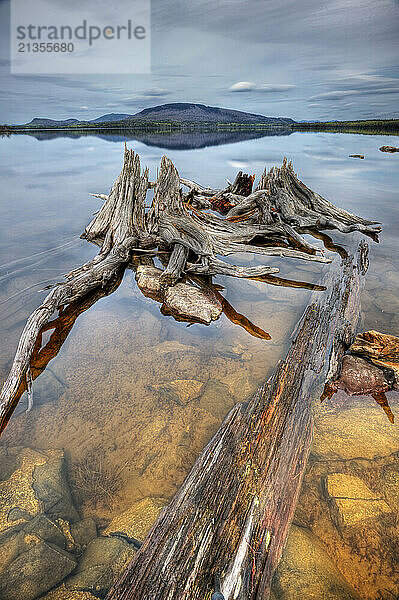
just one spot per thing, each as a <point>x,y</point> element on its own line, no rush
<point>229,520</point>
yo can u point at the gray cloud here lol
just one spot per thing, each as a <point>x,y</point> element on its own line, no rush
<point>343,94</point>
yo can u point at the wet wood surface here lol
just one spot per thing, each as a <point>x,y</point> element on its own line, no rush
<point>224,531</point>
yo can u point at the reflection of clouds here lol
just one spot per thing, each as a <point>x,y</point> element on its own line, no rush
<point>250,164</point>
<point>239,164</point>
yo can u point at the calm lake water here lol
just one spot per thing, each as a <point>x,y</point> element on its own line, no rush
<point>134,396</point>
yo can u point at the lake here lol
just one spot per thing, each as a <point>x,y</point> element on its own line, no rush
<point>130,396</point>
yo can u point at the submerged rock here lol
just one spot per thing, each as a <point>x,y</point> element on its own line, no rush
<point>307,572</point>
<point>188,303</point>
<point>32,544</point>
<point>35,572</point>
<point>62,593</point>
<point>137,520</point>
<point>216,399</point>
<point>351,501</point>
<point>11,546</point>
<point>102,563</point>
<point>16,492</point>
<point>46,530</point>
<point>84,531</point>
<point>52,489</point>
<point>390,485</point>
<point>352,427</point>
<point>181,391</point>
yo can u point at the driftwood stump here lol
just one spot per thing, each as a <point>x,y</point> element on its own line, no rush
<point>268,222</point>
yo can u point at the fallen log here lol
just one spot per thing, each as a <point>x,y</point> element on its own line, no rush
<point>229,520</point>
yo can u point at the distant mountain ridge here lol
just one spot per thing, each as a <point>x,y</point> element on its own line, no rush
<point>177,112</point>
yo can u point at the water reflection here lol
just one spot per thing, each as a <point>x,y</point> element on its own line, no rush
<point>60,327</point>
<point>180,140</point>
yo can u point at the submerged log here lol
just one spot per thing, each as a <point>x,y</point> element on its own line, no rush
<point>229,520</point>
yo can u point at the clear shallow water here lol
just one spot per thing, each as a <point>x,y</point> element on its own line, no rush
<point>144,393</point>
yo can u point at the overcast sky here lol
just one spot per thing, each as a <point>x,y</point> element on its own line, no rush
<point>305,59</point>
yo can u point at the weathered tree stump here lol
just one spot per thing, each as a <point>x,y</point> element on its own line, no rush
<point>194,240</point>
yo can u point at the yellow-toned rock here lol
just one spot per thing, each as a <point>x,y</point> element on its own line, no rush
<point>352,502</point>
<point>306,571</point>
<point>136,521</point>
<point>62,593</point>
<point>357,427</point>
<point>17,490</point>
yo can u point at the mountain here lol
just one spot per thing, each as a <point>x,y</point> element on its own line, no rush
<point>178,112</point>
<point>38,122</point>
<point>110,117</point>
<point>200,113</point>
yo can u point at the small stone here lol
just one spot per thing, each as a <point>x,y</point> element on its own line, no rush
<point>181,390</point>
<point>62,593</point>
<point>351,501</point>
<point>102,563</point>
<point>35,572</point>
<point>137,520</point>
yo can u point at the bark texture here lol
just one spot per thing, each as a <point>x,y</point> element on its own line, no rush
<point>229,521</point>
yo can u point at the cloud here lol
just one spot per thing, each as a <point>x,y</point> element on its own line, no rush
<point>243,86</point>
<point>343,94</point>
<point>84,107</point>
<point>358,86</point>
<point>250,86</point>
<point>155,92</point>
